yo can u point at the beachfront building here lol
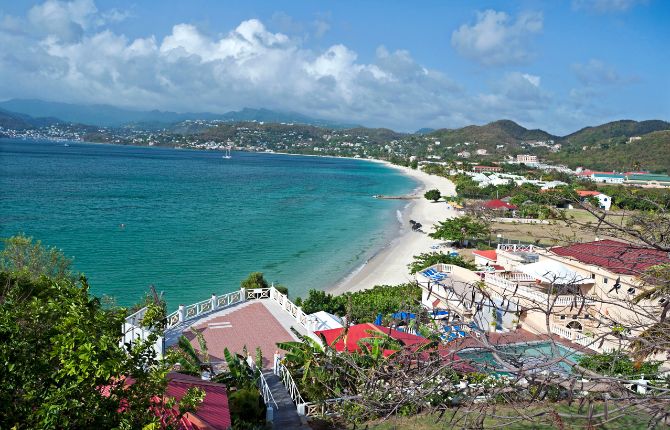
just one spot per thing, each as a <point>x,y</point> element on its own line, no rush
<point>589,286</point>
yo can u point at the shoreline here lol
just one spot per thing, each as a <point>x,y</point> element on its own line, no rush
<point>388,265</point>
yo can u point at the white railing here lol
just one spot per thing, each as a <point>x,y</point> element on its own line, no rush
<point>292,388</point>
<point>185,313</point>
<point>510,287</point>
<point>264,388</point>
<point>518,276</point>
<point>562,331</point>
<point>133,331</point>
<point>515,248</point>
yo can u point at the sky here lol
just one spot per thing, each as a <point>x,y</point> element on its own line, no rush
<point>558,65</point>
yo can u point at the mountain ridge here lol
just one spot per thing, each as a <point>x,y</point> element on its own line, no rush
<point>112,116</point>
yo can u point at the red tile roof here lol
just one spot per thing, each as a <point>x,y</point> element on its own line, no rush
<point>366,330</point>
<point>618,257</point>
<point>587,193</point>
<point>498,204</point>
<point>213,413</point>
<point>488,254</point>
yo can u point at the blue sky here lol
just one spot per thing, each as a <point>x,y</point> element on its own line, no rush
<point>555,65</point>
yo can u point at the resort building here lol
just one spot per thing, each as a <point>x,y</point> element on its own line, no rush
<point>607,178</point>
<point>480,169</point>
<point>591,287</point>
<point>586,289</point>
<point>526,158</point>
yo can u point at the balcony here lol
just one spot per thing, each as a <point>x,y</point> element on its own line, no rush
<point>512,286</point>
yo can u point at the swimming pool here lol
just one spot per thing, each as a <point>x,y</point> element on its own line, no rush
<point>533,354</point>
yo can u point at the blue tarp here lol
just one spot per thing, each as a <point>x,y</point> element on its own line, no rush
<point>378,320</point>
<point>403,315</point>
<point>437,312</point>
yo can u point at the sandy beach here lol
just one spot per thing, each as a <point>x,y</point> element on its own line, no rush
<point>389,266</point>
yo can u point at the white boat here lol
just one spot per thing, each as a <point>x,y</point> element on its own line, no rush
<point>227,154</point>
<point>67,144</point>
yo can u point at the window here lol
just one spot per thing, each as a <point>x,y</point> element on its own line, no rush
<point>605,280</point>
<point>631,290</point>
<point>593,276</point>
<point>574,317</point>
<point>662,301</point>
<point>587,316</point>
<point>562,317</point>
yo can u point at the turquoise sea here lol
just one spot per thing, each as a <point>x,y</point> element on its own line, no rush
<point>192,223</point>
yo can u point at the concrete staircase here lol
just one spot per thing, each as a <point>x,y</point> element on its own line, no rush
<point>286,416</point>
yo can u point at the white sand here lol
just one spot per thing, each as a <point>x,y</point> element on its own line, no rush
<point>389,266</point>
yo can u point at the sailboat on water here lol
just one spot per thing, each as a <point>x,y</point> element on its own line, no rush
<point>227,154</point>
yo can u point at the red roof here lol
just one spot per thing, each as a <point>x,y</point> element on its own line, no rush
<point>366,330</point>
<point>498,204</point>
<point>488,254</point>
<point>618,257</point>
<point>587,193</point>
<point>213,413</point>
<point>362,331</point>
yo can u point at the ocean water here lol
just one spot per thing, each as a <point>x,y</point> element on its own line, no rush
<point>192,223</point>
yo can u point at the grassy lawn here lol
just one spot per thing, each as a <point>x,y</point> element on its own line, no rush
<point>557,232</point>
<point>631,420</point>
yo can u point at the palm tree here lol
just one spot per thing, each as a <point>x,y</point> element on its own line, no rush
<point>191,361</point>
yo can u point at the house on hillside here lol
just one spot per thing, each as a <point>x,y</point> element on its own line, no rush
<point>604,201</point>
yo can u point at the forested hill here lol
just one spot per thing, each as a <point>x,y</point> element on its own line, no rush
<point>20,121</point>
<point>650,152</point>
<point>498,132</point>
<point>613,132</point>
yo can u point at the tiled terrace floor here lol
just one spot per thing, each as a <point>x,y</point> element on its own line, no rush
<point>259,323</point>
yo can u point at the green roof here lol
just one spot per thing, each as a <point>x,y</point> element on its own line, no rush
<point>607,175</point>
<point>658,178</point>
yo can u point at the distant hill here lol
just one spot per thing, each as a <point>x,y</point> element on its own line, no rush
<point>495,133</point>
<point>111,116</point>
<point>618,152</point>
<point>613,131</point>
<point>20,121</point>
<point>424,130</point>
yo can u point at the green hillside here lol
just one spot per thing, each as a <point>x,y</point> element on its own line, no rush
<point>651,152</point>
<point>495,133</point>
<point>612,132</point>
<point>19,121</point>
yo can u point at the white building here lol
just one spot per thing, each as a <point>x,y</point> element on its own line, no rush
<point>526,158</point>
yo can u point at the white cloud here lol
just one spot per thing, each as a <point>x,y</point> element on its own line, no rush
<point>81,61</point>
<point>605,6</point>
<point>495,38</point>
